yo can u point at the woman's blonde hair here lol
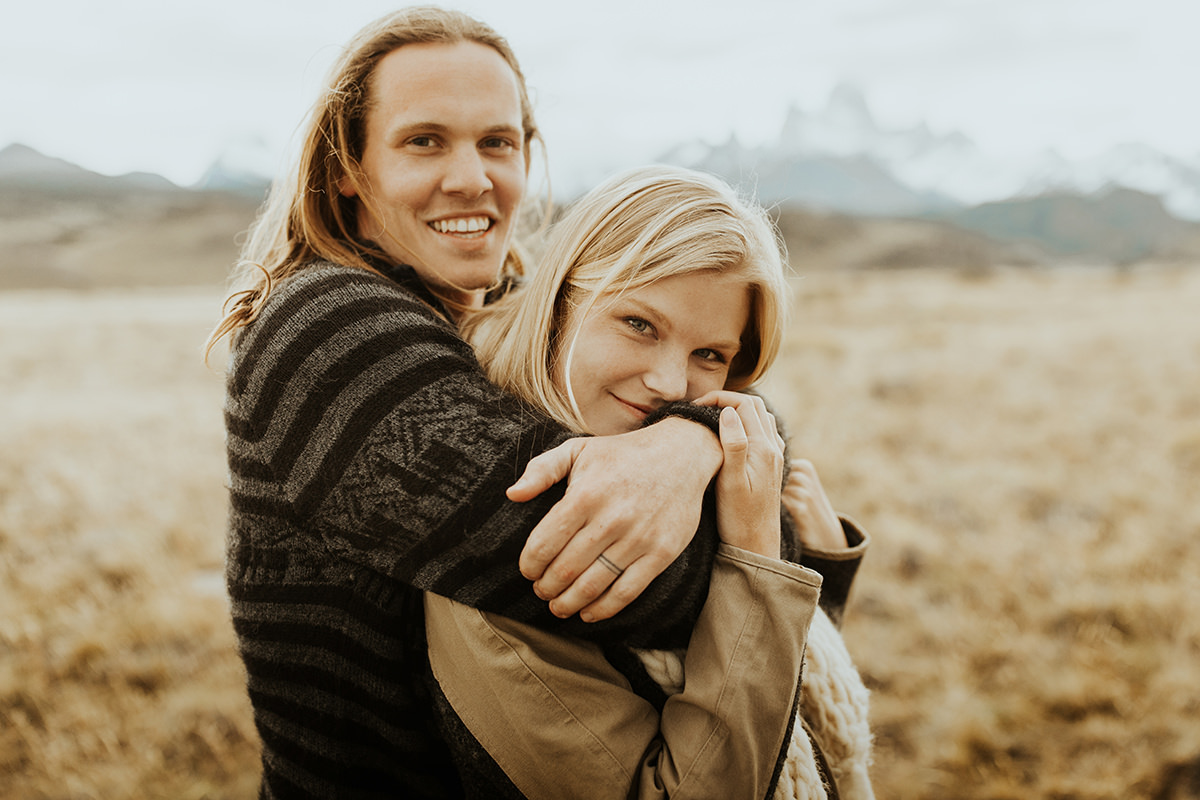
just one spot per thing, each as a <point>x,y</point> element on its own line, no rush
<point>306,216</point>
<point>637,228</point>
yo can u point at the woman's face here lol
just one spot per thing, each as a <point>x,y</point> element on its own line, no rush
<point>445,163</point>
<point>671,340</point>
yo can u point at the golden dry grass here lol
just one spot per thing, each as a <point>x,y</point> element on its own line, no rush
<point>118,675</point>
<point>1023,446</point>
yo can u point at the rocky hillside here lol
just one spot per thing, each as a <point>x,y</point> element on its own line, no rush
<point>1121,225</point>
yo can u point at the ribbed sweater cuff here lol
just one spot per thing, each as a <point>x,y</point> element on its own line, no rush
<point>708,416</point>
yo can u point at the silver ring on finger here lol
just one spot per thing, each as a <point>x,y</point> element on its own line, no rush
<point>606,561</point>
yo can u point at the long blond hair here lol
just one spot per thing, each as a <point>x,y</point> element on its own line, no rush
<point>636,228</point>
<point>306,215</point>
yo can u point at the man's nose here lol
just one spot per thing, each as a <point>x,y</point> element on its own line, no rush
<point>466,174</point>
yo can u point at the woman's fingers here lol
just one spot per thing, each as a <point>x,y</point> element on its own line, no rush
<point>816,521</point>
<point>748,484</point>
<point>734,438</point>
<point>756,418</point>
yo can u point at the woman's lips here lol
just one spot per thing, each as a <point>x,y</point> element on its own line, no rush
<point>634,407</point>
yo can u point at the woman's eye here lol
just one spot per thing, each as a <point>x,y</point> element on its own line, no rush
<point>638,324</point>
<point>497,143</point>
<point>711,355</point>
<point>421,141</point>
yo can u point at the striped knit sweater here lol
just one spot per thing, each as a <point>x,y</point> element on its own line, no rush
<point>368,459</point>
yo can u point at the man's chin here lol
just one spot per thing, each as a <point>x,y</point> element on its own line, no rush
<point>468,275</point>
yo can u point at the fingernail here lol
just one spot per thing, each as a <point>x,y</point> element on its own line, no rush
<point>587,616</point>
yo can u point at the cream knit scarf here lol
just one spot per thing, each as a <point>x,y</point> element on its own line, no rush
<point>833,707</point>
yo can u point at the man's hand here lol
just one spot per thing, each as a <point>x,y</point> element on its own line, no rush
<point>633,498</point>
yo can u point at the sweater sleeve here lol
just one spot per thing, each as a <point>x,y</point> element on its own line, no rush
<point>838,568</point>
<point>357,411</point>
<point>561,722</point>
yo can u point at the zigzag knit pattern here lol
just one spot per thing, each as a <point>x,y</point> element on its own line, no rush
<point>368,458</point>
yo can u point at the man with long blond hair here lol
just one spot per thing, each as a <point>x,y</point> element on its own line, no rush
<point>369,457</point>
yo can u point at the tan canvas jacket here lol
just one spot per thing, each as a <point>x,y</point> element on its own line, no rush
<point>562,722</point>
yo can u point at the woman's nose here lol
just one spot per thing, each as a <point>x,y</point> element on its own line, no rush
<point>668,378</point>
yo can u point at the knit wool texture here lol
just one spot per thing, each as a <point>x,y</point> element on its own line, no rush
<point>368,458</point>
<point>833,702</point>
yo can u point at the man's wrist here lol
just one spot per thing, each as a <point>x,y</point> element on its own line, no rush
<point>703,448</point>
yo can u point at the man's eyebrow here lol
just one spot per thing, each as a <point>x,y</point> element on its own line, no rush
<point>408,128</point>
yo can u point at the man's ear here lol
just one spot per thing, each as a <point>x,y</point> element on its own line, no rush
<point>349,176</point>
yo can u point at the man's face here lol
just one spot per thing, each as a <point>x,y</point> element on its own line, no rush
<point>444,163</point>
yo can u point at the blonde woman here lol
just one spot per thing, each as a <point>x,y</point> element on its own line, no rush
<point>660,286</point>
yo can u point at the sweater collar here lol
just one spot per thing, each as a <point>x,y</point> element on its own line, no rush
<point>407,277</point>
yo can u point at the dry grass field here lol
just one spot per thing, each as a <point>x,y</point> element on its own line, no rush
<point>1024,447</point>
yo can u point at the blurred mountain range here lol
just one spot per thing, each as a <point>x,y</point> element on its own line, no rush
<point>1129,203</point>
<point>847,194</point>
<point>840,158</point>
<point>64,226</point>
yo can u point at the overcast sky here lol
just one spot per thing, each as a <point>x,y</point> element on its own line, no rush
<point>161,86</point>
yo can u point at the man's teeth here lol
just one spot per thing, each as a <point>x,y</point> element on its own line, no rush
<point>462,225</point>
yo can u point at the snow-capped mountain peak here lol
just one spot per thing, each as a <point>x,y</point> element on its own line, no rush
<point>937,166</point>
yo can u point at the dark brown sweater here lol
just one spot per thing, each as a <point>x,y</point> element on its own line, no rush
<point>368,459</point>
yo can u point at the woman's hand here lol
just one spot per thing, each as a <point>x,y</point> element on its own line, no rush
<point>634,498</point>
<point>805,499</point>
<point>748,485</point>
